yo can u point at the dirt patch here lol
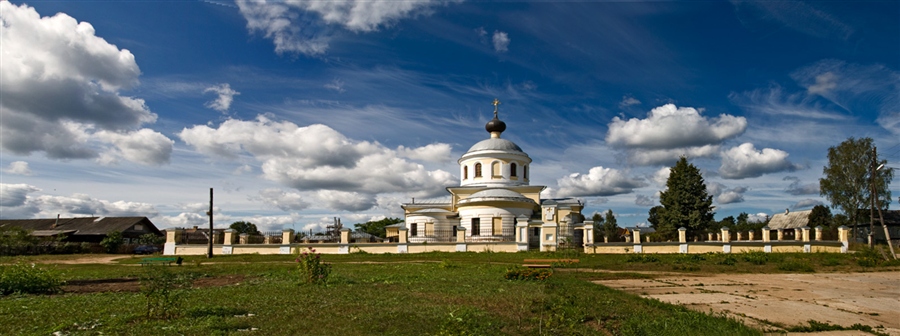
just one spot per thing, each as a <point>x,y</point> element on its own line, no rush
<point>134,284</point>
<point>767,301</point>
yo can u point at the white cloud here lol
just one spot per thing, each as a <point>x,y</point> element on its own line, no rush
<point>796,15</point>
<point>343,200</point>
<point>317,157</point>
<point>145,146</point>
<point>644,200</point>
<point>306,26</point>
<point>628,101</point>
<point>285,201</point>
<point>438,152</point>
<point>758,218</point>
<point>723,195</point>
<point>775,102</point>
<point>669,132</point>
<point>798,188</point>
<point>806,203</point>
<point>501,41</point>
<point>15,203</point>
<point>745,161</point>
<point>60,81</point>
<point>225,96</point>
<point>13,195</point>
<point>18,168</point>
<point>336,85</point>
<point>598,181</point>
<point>661,176</point>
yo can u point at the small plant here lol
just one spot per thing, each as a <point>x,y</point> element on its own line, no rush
<point>642,258</point>
<point>756,257</point>
<point>528,274</point>
<point>466,321</point>
<point>312,269</point>
<point>162,288</point>
<point>795,266</point>
<point>25,279</point>
<point>447,264</point>
<point>728,260</point>
<point>816,326</point>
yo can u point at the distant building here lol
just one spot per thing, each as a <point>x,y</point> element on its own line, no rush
<point>791,220</point>
<point>85,229</point>
<point>493,200</point>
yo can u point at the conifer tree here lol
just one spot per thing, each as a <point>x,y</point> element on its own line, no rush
<point>686,202</point>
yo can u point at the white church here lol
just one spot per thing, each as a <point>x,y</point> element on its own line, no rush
<point>495,202</point>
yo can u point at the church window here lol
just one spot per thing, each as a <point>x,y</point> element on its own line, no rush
<point>478,169</point>
<point>497,226</point>
<point>413,229</point>
<point>495,169</point>
<point>476,226</point>
<point>512,169</point>
<point>465,172</point>
<point>525,171</point>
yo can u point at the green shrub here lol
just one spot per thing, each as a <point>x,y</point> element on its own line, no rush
<point>25,279</point>
<point>642,258</point>
<point>816,326</point>
<point>466,321</point>
<point>795,266</point>
<point>112,242</point>
<point>689,258</point>
<point>728,260</point>
<point>204,311</point>
<point>312,269</point>
<point>528,274</point>
<point>162,289</point>
<point>756,257</point>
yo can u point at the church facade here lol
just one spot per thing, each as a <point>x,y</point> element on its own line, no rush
<point>495,201</point>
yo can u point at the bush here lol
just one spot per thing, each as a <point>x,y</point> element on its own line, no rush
<point>642,258</point>
<point>756,257</point>
<point>162,288</point>
<point>112,242</point>
<point>728,260</point>
<point>24,279</point>
<point>528,274</point>
<point>312,269</point>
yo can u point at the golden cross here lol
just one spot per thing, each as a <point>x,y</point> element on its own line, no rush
<point>496,105</point>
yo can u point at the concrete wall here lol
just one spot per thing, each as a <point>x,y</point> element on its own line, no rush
<point>715,247</point>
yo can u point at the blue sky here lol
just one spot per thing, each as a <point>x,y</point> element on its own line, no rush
<point>299,112</point>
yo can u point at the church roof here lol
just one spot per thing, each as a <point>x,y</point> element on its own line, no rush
<point>497,194</point>
<point>496,144</point>
<point>790,220</point>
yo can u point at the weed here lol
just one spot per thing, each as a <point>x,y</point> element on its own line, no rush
<point>816,326</point>
<point>24,279</point>
<point>728,260</point>
<point>466,321</point>
<point>312,269</point>
<point>204,311</point>
<point>528,274</point>
<point>795,266</point>
<point>162,290</point>
<point>642,258</point>
<point>756,257</point>
<point>447,264</point>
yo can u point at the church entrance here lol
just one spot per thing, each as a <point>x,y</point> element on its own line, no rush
<point>534,238</point>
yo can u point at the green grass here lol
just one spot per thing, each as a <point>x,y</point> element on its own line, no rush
<point>398,294</point>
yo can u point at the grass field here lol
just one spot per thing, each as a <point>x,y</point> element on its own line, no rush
<point>410,294</point>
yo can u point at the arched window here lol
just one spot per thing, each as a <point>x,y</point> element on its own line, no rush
<point>525,171</point>
<point>495,170</point>
<point>512,169</point>
<point>478,169</point>
<point>465,172</point>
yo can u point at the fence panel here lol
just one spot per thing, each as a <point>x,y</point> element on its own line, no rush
<point>507,234</point>
<point>433,236</point>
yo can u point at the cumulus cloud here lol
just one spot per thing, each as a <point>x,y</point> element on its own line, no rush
<point>317,157</point>
<point>805,204</point>
<point>285,201</point>
<point>758,217</point>
<point>306,26</point>
<point>798,188</point>
<point>723,195</point>
<point>661,176</point>
<point>60,87</point>
<point>501,41</point>
<point>745,161</point>
<point>225,96</point>
<point>16,203</point>
<point>598,181</point>
<point>669,132</point>
<point>644,200</point>
<point>144,146</point>
<point>18,168</point>
<point>343,200</point>
<point>439,152</point>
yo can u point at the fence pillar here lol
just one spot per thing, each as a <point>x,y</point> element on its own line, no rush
<point>243,238</point>
<point>522,233</point>
<point>344,248</point>
<point>172,237</point>
<point>461,239</point>
<point>726,240</point>
<point>287,237</point>
<point>766,234</point>
<point>588,232</point>
<point>805,233</point>
<point>798,234</point>
<point>636,238</point>
<point>227,241</point>
<point>709,236</point>
<point>718,237</point>
<point>682,240</point>
<point>403,239</point>
<point>819,233</point>
<point>739,235</point>
<point>780,234</point>
<point>844,238</point>
<point>549,240</point>
<point>750,235</point>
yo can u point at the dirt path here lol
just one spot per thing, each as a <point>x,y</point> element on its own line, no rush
<point>768,300</point>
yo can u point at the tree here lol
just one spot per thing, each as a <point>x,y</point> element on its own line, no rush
<point>112,241</point>
<point>376,228</point>
<point>848,178</point>
<point>610,226</point>
<point>598,226</point>
<point>820,215</point>
<point>686,203</point>
<point>653,217</point>
<point>241,227</point>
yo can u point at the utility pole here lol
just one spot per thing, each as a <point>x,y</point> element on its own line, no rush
<point>873,196</point>
<point>209,253</point>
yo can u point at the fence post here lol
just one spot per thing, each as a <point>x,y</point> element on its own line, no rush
<point>227,241</point>
<point>588,232</point>
<point>709,236</point>
<point>172,237</point>
<point>344,248</point>
<point>461,239</point>
<point>243,238</point>
<point>750,234</point>
<point>739,235</point>
<point>806,246</point>
<point>819,233</point>
<point>767,238</point>
<point>287,237</point>
<point>798,234</point>
<point>780,234</point>
<point>844,238</point>
<point>522,233</point>
<point>636,238</point>
<point>682,240</point>
<point>403,239</point>
<point>726,240</point>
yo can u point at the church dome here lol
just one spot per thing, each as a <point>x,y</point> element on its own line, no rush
<point>495,125</point>
<point>495,194</point>
<point>497,144</point>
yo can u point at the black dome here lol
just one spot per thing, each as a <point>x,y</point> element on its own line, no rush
<point>495,125</point>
